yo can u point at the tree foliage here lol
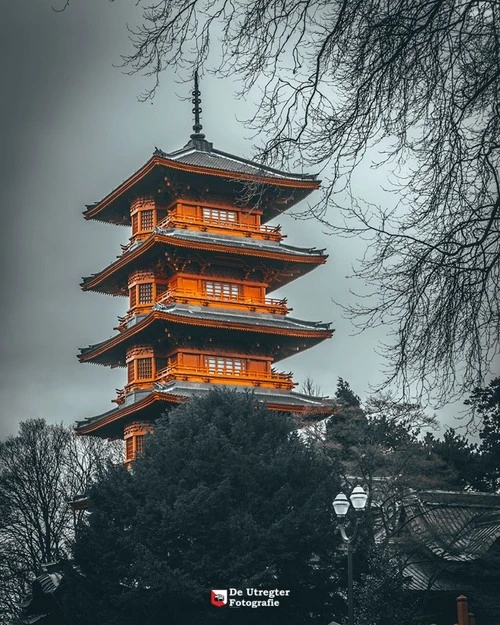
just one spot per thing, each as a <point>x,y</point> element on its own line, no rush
<point>418,79</point>
<point>485,401</point>
<point>41,469</point>
<point>226,495</point>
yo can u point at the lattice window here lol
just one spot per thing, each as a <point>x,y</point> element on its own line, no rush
<point>147,220</point>
<point>135,223</point>
<point>146,293</point>
<point>133,297</point>
<point>219,365</point>
<point>139,444</point>
<point>130,371</point>
<point>144,368</point>
<point>222,290</point>
<point>129,449</point>
<point>217,214</point>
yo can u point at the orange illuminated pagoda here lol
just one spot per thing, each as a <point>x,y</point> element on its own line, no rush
<point>197,271</point>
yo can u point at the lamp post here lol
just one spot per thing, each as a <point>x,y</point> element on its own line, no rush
<point>341,506</point>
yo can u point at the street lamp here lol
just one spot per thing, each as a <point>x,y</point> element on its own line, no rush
<point>341,506</point>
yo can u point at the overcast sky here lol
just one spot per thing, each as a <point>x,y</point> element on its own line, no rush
<point>73,129</point>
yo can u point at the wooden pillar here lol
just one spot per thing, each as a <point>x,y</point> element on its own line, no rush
<point>472,619</point>
<point>463,610</point>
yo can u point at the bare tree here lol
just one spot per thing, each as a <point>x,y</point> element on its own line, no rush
<point>309,387</point>
<point>418,79</point>
<point>41,470</point>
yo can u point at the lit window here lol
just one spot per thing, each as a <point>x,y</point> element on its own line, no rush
<point>147,220</point>
<point>146,293</point>
<point>144,368</point>
<point>219,365</point>
<point>222,290</point>
<point>217,214</point>
<point>139,444</point>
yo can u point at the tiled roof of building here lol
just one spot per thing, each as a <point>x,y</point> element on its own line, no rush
<point>240,242</point>
<point>267,248</point>
<point>200,152</point>
<point>267,320</point>
<point>454,526</point>
<point>267,395</point>
<point>186,389</point>
<point>443,533</point>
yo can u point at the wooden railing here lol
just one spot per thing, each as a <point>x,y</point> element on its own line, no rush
<point>269,305</point>
<point>173,220</point>
<point>272,379</point>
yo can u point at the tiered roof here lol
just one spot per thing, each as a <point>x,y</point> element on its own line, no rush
<point>200,175</point>
<point>256,185</point>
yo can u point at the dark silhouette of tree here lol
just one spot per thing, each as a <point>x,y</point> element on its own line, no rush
<point>420,80</point>
<point>226,495</point>
<point>345,395</point>
<point>41,469</point>
<point>465,460</point>
<point>485,402</point>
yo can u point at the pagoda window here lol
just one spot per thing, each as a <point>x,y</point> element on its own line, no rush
<point>222,290</point>
<point>133,297</point>
<point>217,214</point>
<point>139,444</point>
<point>130,371</point>
<point>135,223</point>
<point>144,368</point>
<point>129,449</point>
<point>220,365</point>
<point>147,220</point>
<point>146,293</point>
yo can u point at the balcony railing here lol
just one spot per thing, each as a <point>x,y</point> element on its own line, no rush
<point>272,379</point>
<point>214,375</point>
<point>180,296</point>
<point>272,233</point>
<point>269,304</point>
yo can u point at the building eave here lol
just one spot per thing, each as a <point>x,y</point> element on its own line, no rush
<point>280,254</point>
<point>93,352</point>
<point>95,211</point>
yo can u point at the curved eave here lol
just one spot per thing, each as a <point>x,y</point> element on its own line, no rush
<point>94,352</point>
<point>106,425</point>
<point>110,424</point>
<point>92,282</point>
<point>98,210</point>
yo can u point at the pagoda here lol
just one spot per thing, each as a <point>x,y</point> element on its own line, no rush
<point>198,270</point>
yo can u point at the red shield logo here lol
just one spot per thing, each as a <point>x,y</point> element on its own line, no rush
<point>218,598</point>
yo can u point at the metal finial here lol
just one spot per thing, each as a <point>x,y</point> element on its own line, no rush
<point>197,110</point>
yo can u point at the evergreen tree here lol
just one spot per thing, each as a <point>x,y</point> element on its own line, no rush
<point>226,495</point>
<point>485,402</point>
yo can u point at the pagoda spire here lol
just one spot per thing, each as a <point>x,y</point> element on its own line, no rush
<point>197,134</point>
